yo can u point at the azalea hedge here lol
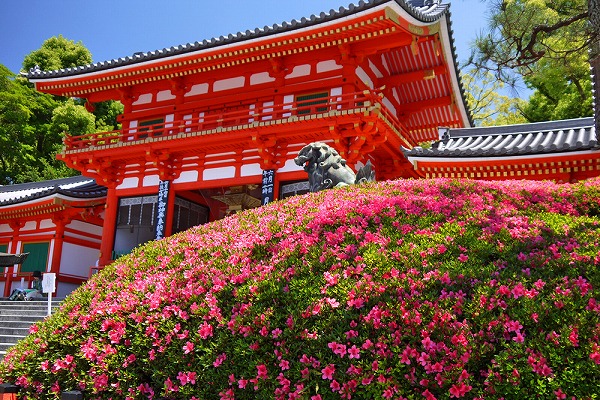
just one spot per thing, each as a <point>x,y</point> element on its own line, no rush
<point>427,289</point>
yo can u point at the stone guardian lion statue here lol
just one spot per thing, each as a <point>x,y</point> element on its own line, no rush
<point>327,169</point>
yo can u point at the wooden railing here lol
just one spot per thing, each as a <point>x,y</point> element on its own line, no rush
<point>210,119</point>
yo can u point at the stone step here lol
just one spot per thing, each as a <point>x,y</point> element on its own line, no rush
<point>28,317</point>
<point>18,323</point>
<point>13,331</point>
<point>17,317</point>
<point>8,341</point>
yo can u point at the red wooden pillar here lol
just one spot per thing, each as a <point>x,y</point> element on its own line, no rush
<point>16,226</point>
<point>59,239</point>
<point>110,226</point>
<point>276,184</point>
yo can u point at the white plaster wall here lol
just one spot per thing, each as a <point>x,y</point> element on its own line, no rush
<point>77,260</point>
<point>187,176</point>
<point>143,99</point>
<point>287,101</point>
<point>261,77</point>
<point>290,165</point>
<point>86,227</point>
<point>337,91</point>
<point>64,289</point>
<point>5,228</point>
<point>29,226</point>
<point>251,170</point>
<point>218,173</point>
<point>327,65</point>
<point>164,95</point>
<point>47,223</point>
<point>51,247</point>
<point>299,70</point>
<point>151,180</point>
<point>199,88</point>
<point>229,83</point>
<point>169,120</point>
<point>129,183</point>
<point>268,108</point>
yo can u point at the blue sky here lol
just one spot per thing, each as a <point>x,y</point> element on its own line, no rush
<point>118,28</point>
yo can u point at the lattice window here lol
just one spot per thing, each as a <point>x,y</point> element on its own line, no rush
<point>309,103</point>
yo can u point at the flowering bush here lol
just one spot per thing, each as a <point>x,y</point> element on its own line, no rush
<point>396,290</point>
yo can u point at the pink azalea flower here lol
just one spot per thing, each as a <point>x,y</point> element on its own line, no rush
<point>220,358</point>
<point>261,371</point>
<point>284,364</point>
<point>559,394</point>
<point>327,372</point>
<point>459,390</point>
<point>188,347</point>
<point>354,352</point>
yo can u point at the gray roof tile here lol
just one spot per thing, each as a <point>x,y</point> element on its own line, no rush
<point>76,187</point>
<point>512,140</point>
<point>423,10</point>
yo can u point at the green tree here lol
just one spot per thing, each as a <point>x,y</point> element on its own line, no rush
<point>546,43</point>
<point>72,119</point>
<point>106,114</point>
<point>489,107</point>
<point>15,132</point>
<point>33,124</point>
<point>57,53</point>
<point>28,142</point>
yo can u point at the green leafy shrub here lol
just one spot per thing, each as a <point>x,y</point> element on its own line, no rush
<point>395,290</point>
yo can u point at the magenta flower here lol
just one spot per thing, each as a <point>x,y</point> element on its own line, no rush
<point>261,371</point>
<point>459,390</point>
<point>354,352</point>
<point>328,371</point>
<point>188,347</point>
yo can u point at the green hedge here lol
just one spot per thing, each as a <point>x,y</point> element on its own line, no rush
<point>395,290</point>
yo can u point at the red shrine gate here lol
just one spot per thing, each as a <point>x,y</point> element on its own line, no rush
<point>212,128</point>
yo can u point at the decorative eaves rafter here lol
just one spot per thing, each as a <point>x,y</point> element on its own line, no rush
<point>424,104</point>
<point>367,27</point>
<point>413,76</point>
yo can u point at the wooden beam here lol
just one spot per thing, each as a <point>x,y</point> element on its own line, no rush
<point>407,77</point>
<point>423,104</point>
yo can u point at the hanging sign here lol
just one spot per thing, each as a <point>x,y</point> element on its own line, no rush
<point>161,209</point>
<point>268,186</point>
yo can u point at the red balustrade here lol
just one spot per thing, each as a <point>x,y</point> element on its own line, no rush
<point>213,119</point>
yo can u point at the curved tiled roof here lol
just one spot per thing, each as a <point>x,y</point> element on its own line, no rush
<point>77,187</point>
<point>513,140</point>
<point>422,10</point>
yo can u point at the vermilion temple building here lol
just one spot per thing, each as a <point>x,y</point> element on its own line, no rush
<point>212,127</point>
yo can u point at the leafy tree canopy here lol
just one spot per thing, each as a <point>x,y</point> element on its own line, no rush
<point>546,43</point>
<point>57,53</point>
<point>489,107</point>
<point>32,124</point>
<point>72,118</point>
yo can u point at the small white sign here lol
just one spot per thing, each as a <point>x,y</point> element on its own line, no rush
<point>48,282</point>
